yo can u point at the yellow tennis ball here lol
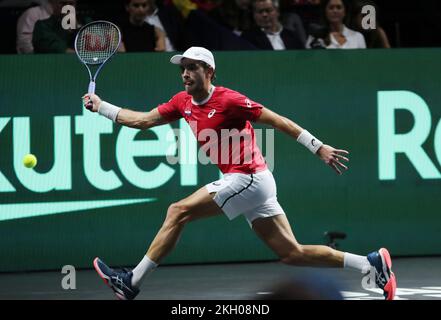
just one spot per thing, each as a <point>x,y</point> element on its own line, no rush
<point>29,161</point>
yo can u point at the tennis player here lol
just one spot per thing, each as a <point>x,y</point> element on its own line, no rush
<point>248,187</point>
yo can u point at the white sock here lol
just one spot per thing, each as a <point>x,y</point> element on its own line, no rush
<point>356,262</point>
<point>142,270</point>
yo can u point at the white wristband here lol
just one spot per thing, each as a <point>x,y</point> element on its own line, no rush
<point>108,110</point>
<point>309,141</point>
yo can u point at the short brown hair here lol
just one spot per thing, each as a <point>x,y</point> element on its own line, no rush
<point>206,66</point>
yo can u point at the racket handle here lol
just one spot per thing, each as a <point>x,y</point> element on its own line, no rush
<point>91,87</point>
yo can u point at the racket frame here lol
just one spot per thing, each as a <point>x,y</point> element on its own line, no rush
<point>92,85</point>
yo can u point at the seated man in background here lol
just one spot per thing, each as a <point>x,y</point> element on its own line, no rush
<point>49,35</point>
<point>234,15</point>
<point>169,20</point>
<point>269,33</point>
<point>138,35</point>
<point>26,23</point>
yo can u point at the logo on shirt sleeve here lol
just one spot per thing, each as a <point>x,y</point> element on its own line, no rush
<point>187,112</point>
<point>212,112</point>
<point>248,103</point>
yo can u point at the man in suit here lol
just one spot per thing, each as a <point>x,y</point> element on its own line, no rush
<point>269,33</point>
<point>168,19</point>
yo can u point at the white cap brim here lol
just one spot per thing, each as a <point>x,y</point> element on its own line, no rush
<point>176,59</point>
<point>205,56</point>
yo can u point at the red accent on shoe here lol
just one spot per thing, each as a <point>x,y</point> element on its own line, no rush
<point>95,265</point>
<point>391,286</point>
<point>385,253</point>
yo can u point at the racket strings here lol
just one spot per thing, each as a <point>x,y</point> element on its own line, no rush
<point>97,42</point>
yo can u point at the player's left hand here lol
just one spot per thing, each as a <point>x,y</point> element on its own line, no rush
<point>333,157</point>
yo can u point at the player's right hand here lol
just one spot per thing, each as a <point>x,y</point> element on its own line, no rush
<point>91,102</point>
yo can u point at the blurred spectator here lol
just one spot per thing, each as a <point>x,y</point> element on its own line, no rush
<point>235,15</point>
<point>208,5</point>
<point>269,33</point>
<point>308,11</point>
<point>205,6</point>
<point>168,19</point>
<point>334,34</point>
<point>138,35</point>
<point>49,35</point>
<point>293,22</point>
<point>203,31</point>
<point>185,7</point>
<point>26,23</point>
<point>306,2</point>
<point>375,38</point>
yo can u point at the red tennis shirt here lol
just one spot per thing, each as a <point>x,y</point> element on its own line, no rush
<point>222,127</point>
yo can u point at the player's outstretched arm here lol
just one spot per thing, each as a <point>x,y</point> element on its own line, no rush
<point>140,120</point>
<point>330,155</point>
<point>126,117</point>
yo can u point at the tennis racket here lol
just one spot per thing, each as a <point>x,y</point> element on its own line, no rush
<point>95,44</point>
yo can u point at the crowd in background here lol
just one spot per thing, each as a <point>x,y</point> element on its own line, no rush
<point>174,25</point>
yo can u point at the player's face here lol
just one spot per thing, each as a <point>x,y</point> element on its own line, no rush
<point>335,11</point>
<point>194,76</point>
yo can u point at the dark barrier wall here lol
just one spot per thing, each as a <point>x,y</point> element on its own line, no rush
<point>103,190</point>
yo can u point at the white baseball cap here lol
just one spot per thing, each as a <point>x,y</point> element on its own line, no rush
<point>195,53</point>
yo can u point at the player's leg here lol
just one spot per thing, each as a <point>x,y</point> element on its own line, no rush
<point>276,232</point>
<point>198,205</point>
<point>125,284</point>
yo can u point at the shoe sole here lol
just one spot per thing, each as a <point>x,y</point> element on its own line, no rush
<point>391,285</point>
<point>106,279</point>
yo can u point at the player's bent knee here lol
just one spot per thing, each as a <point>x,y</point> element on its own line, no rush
<point>294,255</point>
<point>177,213</point>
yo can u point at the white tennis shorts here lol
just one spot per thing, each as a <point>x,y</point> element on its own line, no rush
<point>253,195</point>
